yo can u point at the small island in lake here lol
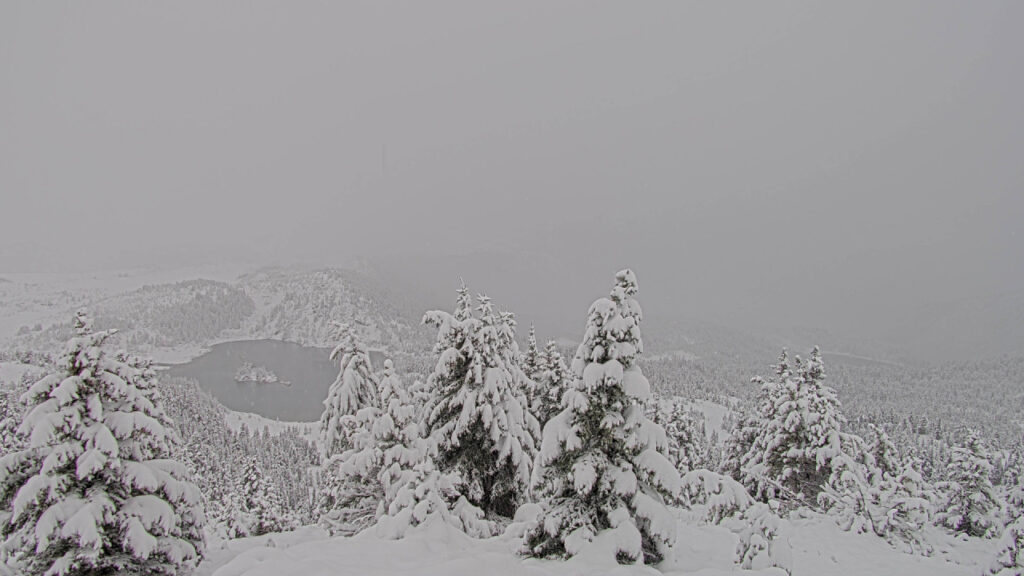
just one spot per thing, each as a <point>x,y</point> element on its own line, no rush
<point>249,372</point>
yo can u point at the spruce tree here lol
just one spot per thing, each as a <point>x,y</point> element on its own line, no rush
<point>259,504</point>
<point>532,360</point>
<point>794,436</point>
<point>380,441</point>
<point>552,383</point>
<point>685,438</point>
<point>478,414</point>
<point>603,470</point>
<point>971,505</point>
<point>96,491</point>
<point>354,388</point>
<point>10,416</point>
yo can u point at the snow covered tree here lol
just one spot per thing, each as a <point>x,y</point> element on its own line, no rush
<point>532,363</point>
<point>871,490</point>
<point>971,505</point>
<point>380,442</point>
<point>96,490</point>
<point>685,440</point>
<point>259,504</point>
<point>552,383</point>
<point>420,492</point>
<point>794,436</point>
<point>478,413</point>
<point>355,388</point>
<point>10,416</point>
<point>603,470</point>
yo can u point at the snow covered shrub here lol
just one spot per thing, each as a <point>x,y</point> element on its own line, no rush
<point>603,470</point>
<point>764,542</point>
<point>871,490</point>
<point>971,505</point>
<point>721,495</point>
<point>96,491</point>
<point>422,494</point>
<point>477,413</point>
<point>1009,560</point>
<point>785,450</point>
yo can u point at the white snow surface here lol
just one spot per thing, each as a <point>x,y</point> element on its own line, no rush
<point>256,423</point>
<point>820,548</point>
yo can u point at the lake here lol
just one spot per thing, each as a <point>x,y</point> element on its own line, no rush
<point>304,375</point>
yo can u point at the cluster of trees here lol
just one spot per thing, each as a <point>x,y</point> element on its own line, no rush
<point>593,454</point>
<point>104,471</point>
<point>792,450</point>
<point>215,452</point>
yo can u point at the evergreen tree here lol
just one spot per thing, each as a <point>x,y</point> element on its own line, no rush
<point>380,441</point>
<point>354,388</point>
<point>421,492</point>
<point>10,415</point>
<point>96,490</point>
<point>795,435</point>
<point>532,360</point>
<point>685,440</point>
<point>602,469</point>
<point>971,505</point>
<point>478,413</point>
<point>259,505</point>
<point>552,382</point>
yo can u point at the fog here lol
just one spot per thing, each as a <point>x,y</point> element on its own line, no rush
<point>804,163</point>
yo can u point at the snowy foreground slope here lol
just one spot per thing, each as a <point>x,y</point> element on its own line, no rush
<point>820,548</point>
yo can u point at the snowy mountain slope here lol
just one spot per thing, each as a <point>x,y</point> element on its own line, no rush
<point>27,299</point>
<point>156,317</point>
<point>302,306</point>
<point>819,547</point>
<point>173,321</point>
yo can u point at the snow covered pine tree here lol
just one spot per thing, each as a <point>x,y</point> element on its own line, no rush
<point>478,413</point>
<point>354,389</point>
<point>603,468</point>
<point>552,382</point>
<point>786,449</point>
<point>95,491</point>
<point>971,506</point>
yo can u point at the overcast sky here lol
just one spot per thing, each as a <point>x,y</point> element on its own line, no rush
<point>831,161</point>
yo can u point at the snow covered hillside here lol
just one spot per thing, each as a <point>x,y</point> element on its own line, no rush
<point>173,321</point>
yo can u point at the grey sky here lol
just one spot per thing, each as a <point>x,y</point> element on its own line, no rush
<point>828,162</point>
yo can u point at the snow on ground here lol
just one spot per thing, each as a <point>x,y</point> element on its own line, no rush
<point>820,548</point>
<point>220,552</point>
<point>714,416</point>
<point>12,373</point>
<point>256,423</point>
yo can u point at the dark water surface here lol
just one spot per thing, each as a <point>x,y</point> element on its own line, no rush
<point>307,371</point>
